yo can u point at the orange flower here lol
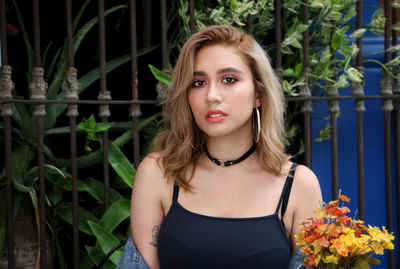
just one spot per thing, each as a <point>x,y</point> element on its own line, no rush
<point>332,237</point>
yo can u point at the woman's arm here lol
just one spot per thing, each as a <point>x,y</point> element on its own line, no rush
<point>146,209</point>
<point>306,197</point>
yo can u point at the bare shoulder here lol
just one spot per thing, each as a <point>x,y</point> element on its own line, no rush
<point>306,191</point>
<point>305,198</point>
<point>150,170</point>
<point>149,179</point>
<point>305,180</point>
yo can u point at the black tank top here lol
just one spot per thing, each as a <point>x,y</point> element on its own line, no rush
<point>191,240</point>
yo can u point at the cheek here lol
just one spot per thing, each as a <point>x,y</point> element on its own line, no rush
<point>193,100</point>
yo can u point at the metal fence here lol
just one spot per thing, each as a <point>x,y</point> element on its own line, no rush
<point>390,96</point>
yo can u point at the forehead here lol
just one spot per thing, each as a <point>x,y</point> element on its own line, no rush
<point>219,56</point>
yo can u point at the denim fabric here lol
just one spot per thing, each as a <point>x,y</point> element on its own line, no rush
<point>131,258</point>
<point>296,260</point>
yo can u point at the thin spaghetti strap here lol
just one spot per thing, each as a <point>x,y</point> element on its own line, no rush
<point>175,193</point>
<point>283,200</point>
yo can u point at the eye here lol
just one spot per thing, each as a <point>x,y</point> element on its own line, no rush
<point>198,83</point>
<point>229,80</point>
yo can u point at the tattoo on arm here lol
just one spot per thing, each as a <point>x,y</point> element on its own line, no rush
<point>155,232</point>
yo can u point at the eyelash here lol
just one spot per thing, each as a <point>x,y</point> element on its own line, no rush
<point>197,81</point>
<point>224,80</point>
<point>233,79</point>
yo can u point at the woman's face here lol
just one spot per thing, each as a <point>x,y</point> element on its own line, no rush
<point>222,94</point>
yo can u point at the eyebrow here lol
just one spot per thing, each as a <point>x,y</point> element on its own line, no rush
<point>220,71</point>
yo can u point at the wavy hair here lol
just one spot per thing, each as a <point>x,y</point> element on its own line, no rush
<point>181,143</point>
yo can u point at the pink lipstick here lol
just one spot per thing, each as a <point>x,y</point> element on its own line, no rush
<point>215,116</point>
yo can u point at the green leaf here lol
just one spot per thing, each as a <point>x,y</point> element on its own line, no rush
<point>55,195</point>
<point>396,27</point>
<point>354,75</point>
<point>338,39</point>
<point>97,255</point>
<point>115,214</point>
<point>106,240</point>
<point>393,62</point>
<point>160,75</point>
<point>96,190</point>
<point>91,126</point>
<point>358,33</point>
<point>341,82</point>
<point>289,72</point>
<point>324,134</point>
<point>64,211</point>
<point>286,86</point>
<point>21,159</point>
<point>298,68</point>
<point>121,164</point>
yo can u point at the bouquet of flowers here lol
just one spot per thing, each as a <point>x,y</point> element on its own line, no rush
<point>334,240</point>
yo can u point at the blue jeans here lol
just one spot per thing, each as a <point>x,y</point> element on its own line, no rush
<point>131,258</point>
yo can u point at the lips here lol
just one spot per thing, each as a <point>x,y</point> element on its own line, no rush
<point>215,116</point>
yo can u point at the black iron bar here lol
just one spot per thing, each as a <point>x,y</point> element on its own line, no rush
<point>388,183</point>
<point>42,193</point>
<point>192,17</point>
<point>386,89</point>
<point>39,113</point>
<point>7,143</point>
<point>104,95</point>
<point>307,138</point>
<point>72,113</point>
<point>84,102</point>
<point>250,24</point>
<point>135,110</point>
<point>155,102</point>
<point>75,198</point>
<point>358,90</point>
<point>3,33</point>
<point>360,165</point>
<point>278,36</point>
<point>305,90</point>
<point>333,111</point>
<point>68,11</point>
<point>334,155</point>
<point>9,192</point>
<point>36,33</point>
<point>164,43</point>
<point>396,127</point>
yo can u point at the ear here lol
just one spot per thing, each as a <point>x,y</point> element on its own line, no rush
<point>257,102</point>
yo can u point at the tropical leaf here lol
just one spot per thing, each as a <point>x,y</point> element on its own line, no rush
<point>106,240</point>
<point>64,211</point>
<point>121,164</point>
<point>115,214</point>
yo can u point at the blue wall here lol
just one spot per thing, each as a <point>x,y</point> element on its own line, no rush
<point>374,158</point>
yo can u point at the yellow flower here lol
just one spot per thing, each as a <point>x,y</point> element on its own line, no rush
<point>383,238</point>
<point>336,239</point>
<point>320,213</point>
<point>330,259</point>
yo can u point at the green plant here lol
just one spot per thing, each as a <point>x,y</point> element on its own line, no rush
<point>24,130</point>
<point>329,29</point>
<point>106,228</point>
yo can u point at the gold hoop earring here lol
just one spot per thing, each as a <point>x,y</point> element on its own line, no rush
<point>256,126</point>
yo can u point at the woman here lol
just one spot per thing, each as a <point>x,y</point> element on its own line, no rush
<point>220,192</point>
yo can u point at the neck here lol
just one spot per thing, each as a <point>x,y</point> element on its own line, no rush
<point>226,149</point>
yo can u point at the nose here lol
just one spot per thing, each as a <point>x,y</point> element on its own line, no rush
<point>213,94</point>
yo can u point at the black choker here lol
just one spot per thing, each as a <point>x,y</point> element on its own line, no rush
<point>232,162</point>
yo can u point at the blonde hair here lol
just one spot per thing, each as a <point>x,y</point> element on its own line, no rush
<point>181,143</point>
